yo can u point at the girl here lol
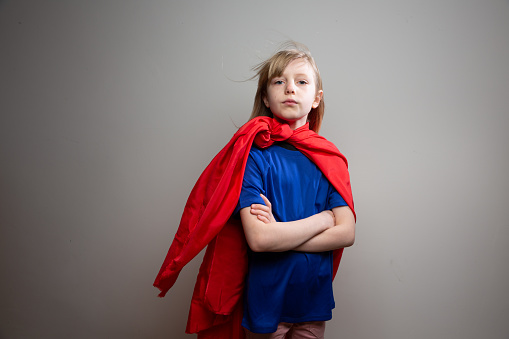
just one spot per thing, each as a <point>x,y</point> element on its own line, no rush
<point>291,215</point>
<point>291,188</point>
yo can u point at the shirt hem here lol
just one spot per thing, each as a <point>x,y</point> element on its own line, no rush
<point>272,329</point>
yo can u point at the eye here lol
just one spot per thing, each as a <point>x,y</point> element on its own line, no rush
<point>278,82</point>
<point>302,82</point>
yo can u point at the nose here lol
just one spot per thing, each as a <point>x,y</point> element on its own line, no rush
<point>290,88</point>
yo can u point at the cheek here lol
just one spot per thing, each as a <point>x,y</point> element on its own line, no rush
<point>270,98</point>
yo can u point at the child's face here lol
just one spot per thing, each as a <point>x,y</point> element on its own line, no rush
<point>291,96</point>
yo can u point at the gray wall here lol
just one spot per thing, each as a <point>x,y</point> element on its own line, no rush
<point>109,111</point>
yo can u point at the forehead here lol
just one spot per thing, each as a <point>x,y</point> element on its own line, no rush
<point>299,66</point>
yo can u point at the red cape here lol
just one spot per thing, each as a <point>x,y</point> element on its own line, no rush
<point>216,310</point>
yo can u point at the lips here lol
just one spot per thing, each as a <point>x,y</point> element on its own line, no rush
<point>290,102</point>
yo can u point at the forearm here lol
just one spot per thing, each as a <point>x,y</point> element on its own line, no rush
<point>330,239</point>
<point>340,236</point>
<point>282,236</point>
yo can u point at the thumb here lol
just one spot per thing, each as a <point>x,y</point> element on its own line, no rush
<point>266,201</point>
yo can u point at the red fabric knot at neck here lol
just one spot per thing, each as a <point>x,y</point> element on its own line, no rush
<point>275,132</point>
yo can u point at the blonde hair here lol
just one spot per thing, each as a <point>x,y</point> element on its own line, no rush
<point>274,67</point>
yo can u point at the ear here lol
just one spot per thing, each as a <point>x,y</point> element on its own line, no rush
<point>266,102</point>
<point>318,98</point>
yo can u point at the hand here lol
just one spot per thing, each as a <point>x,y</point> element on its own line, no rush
<point>264,212</point>
<point>330,219</point>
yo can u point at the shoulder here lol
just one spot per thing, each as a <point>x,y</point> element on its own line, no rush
<point>260,156</point>
<point>256,152</point>
<point>257,160</point>
<point>319,143</point>
<point>322,141</point>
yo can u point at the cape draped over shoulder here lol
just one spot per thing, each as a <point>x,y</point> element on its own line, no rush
<point>216,305</point>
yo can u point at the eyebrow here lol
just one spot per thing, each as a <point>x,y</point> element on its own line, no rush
<point>296,75</point>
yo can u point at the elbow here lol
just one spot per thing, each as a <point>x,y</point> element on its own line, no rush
<point>262,243</point>
<point>351,235</point>
<point>346,226</point>
<point>257,249</point>
<point>257,244</point>
<point>350,239</point>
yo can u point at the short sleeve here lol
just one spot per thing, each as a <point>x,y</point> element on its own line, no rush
<point>252,184</point>
<point>334,199</point>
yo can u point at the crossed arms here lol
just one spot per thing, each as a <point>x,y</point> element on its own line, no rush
<point>324,231</point>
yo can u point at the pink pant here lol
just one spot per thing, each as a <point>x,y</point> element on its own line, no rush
<point>305,330</point>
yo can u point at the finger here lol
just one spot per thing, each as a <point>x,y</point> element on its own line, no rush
<point>267,202</point>
<point>260,213</point>
<point>260,207</point>
<point>264,219</point>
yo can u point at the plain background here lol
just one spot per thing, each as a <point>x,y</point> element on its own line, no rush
<point>110,110</point>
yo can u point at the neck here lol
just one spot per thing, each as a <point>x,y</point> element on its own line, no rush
<point>293,124</point>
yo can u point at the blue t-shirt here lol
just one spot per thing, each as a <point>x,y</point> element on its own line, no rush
<point>287,286</point>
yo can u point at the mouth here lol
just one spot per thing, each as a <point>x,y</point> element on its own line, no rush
<point>290,102</point>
